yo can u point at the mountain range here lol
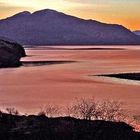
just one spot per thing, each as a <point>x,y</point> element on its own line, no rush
<point>49,27</point>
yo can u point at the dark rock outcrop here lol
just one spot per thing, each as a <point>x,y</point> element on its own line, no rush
<point>49,27</point>
<point>63,128</point>
<point>10,54</point>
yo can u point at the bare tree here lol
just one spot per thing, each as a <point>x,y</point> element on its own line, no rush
<point>110,110</point>
<point>52,110</point>
<point>84,108</point>
<point>69,110</point>
<point>12,111</point>
<point>89,109</point>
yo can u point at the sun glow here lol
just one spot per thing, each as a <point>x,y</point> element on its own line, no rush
<point>35,4</point>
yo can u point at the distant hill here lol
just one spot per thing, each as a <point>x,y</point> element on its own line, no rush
<point>49,27</point>
<point>137,32</point>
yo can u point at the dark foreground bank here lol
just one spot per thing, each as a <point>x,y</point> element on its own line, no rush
<point>13,127</point>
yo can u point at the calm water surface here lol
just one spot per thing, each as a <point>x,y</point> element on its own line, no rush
<point>32,87</point>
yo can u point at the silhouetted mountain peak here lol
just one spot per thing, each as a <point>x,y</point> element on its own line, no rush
<point>46,12</point>
<point>21,14</point>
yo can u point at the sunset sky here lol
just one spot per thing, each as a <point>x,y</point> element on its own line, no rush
<point>125,12</point>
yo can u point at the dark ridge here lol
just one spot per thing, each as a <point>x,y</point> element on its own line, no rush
<point>41,63</point>
<point>129,76</point>
<point>13,127</point>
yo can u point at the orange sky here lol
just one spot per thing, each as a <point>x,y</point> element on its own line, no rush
<point>124,12</point>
